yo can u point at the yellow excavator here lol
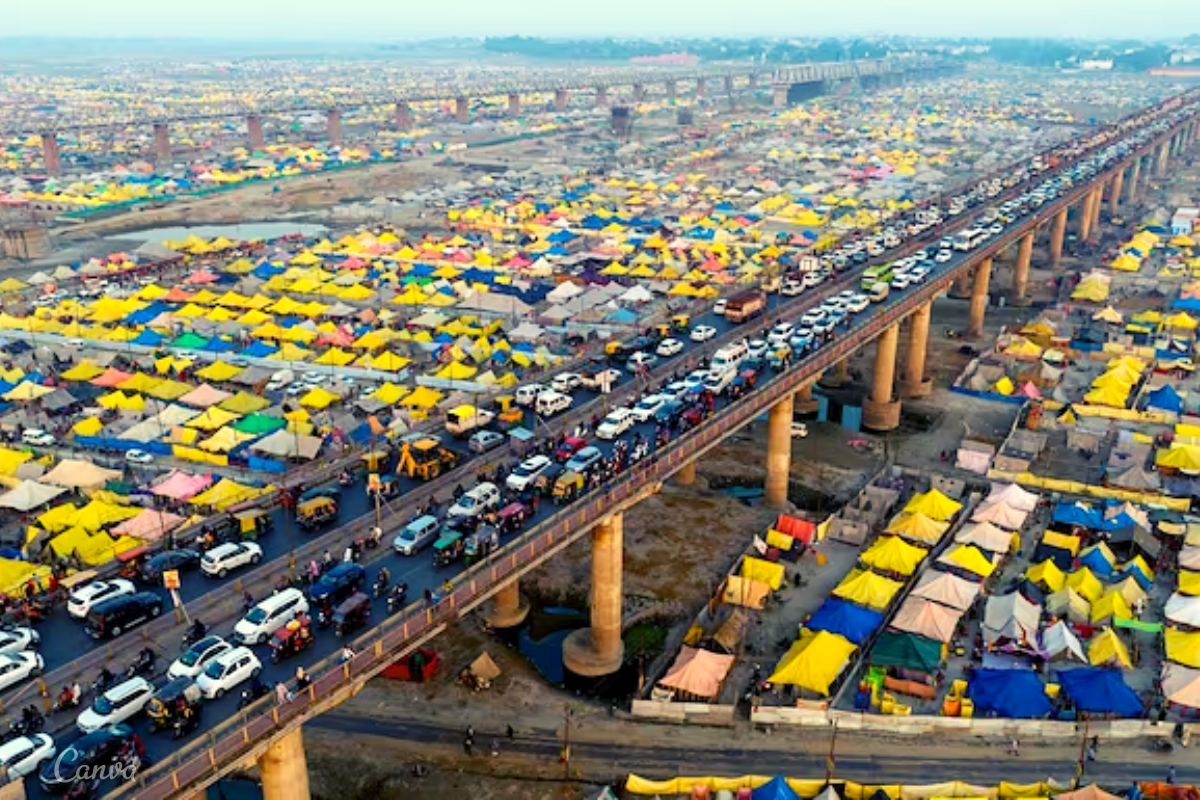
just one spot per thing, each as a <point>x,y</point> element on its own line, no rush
<point>425,459</point>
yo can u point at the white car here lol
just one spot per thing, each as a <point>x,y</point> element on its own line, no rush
<point>702,333</point>
<point>527,472</point>
<point>96,592</point>
<point>943,256</point>
<point>669,347</point>
<point>195,659</point>
<point>647,406</point>
<point>757,348</point>
<point>221,559</point>
<point>26,754</point>
<point>228,670</point>
<point>566,381</point>
<point>719,307</point>
<point>16,640</point>
<point>16,667</point>
<point>138,457</point>
<point>616,423</point>
<point>858,304</point>
<point>812,317</point>
<point>780,333</point>
<point>121,702</point>
<point>792,288</point>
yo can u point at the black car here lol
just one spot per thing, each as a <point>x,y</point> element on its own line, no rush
<point>669,412</point>
<point>98,749</point>
<point>152,569</point>
<point>113,617</point>
<point>337,584</point>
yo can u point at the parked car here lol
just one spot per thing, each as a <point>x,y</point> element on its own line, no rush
<point>138,457</point>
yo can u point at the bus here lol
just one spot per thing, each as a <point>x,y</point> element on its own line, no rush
<point>880,273</point>
<point>969,239</point>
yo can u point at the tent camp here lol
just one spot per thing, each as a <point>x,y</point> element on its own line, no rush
<point>1001,515</point>
<point>892,554</point>
<point>934,505</point>
<point>29,495</point>
<point>1012,495</point>
<point>867,589</point>
<point>985,536</point>
<point>814,661</point>
<point>848,620</point>
<point>1100,691</point>
<point>1059,642</point>
<point>76,474</point>
<point>907,651</point>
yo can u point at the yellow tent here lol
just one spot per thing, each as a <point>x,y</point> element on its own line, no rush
<point>918,527</point>
<point>226,493</point>
<point>218,371</point>
<point>1046,574</point>
<point>1085,584</point>
<point>892,554</point>
<point>814,661</point>
<point>866,588</point>
<point>319,398</point>
<point>934,505</point>
<point>1111,605</point>
<point>970,558</point>
<point>1107,649</point>
<point>1183,647</point>
<point>767,572</point>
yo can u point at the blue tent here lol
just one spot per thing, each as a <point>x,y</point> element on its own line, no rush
<point>841,617</point>
<point>775,789</point>
<point>1011,693</point>
<point>1096,562</point>
<point>1165,397</point>
<point>148,338</point>
<point>1100,691</point>
<point>1078,514</point>
<point>259,350</point>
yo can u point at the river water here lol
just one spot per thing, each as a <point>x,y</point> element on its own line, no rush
<point>243,232</point>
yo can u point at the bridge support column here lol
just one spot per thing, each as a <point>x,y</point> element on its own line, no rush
<point>50,154</point>
<point>979,299</point>
<point>687,474</point>
<point>803,402</point>
<point>779,452</point>
<point>881,411</point>
<point>284,769</point>
<point>462,110</point>
<point>560,100</point>
<point>913,382</point>
<point>1161,168</point>
<point>753,82</point>
<point>1085,217</point>
<point>162,143</point>
<point>601,97</point>
<point>701,88</point>
<point>639,93</point>
<point>779,95</point>
<point>961,288</point>
<point>1134,177</point>
<point>729,85</point>
<point>1097,204</point>
<point>509,608</point>
<point>254,132</point>
<point>598,650</point>
<point>1057,233</point>
<point>671,91</point>
<point>1021,276</point>
<point>838,376</point>
<point>1114,200</point>
<point>333,125</point>
<point>514,105</point>
<point>404,120</point>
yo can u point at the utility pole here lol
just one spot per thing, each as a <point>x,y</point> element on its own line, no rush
<point>1081,764</point>
<point>565,756</point>
<point>831,759</point>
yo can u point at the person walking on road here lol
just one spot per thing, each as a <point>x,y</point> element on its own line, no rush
<point>468,744</point>
<point>1170,774</point>
<point>281,693</point>
<point>1014,749</point>
<point>510,733</point>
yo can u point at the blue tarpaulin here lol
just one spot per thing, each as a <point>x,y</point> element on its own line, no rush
<point>1165,397</point>
<point>844,618</point>
<point>1011,693</point>
<point>1100,691</point>
<point>775,789</point>
<point>1078,514</point>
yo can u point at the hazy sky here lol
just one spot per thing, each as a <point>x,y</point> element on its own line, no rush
<point>377,20</point>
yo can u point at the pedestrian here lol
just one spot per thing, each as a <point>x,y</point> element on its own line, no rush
<point>1170,774</point>
<point>470,733</point>
<point>281,693</point>
<point>302,679</point>
<point>428,597</point>
<point>347,654</point>
<point>348,556</point>
<point>510,733</point>
<point>495,748</point>
<point>467,745</point>
<point>1090,754</point>
<point>1014,749</point>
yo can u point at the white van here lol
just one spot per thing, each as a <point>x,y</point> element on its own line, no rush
<point>527,394</point>
<point>879,292</point>
<point>37,437</point>
<point>551,402</point>
<point>729,357</point>
<point>718,382</point>
<point>269,616</point>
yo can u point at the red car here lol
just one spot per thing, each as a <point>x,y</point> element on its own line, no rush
<point>570,446</point>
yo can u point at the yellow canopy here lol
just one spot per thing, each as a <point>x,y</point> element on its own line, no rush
<point>814,661</point>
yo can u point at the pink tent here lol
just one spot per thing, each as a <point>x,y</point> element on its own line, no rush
<point>182,486</point>
<point>201,276</point>
<point>1001,515</point>
<point>204,396</point>
<point>150,525</point>
<point>110,378</point>
<point>927,618</point>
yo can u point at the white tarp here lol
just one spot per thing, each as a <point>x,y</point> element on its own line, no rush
<point>29,495</point>
<point>1012,617</point>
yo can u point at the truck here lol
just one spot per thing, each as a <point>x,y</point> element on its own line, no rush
<point>462,420</point>
<point>745,306</point>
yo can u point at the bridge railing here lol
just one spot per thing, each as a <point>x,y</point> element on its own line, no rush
<point>242,737</point>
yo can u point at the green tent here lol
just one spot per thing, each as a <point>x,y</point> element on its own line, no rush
<point>190,341</point>
<point>906,650</point>
<point>258,424</point>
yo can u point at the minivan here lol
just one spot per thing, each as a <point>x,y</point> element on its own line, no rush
<point>527,394</point>
<point>269,616</point>
<point>416,534</point>
<point>37,437</point>
<point>729,357</point>
<point>111,618</point>
<point>551,402</point>
<point>121,702</point>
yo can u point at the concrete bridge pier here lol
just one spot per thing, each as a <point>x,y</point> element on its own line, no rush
<point>1114,200</point>
<point>803,402</point>
<point>960,289</point>
<point>50,154</point>
<point>284,768</point>
<point>514,105</point>
<point>779,452</point>
<point>1021,275</point>
<point>701,88</point>
<point>462,110</point>
<point>509,608</point>
<point>979,299</point>
<point>560,100</point>
<point>881,410</point>
<point>601,97</point>
<point>333,125</point>
<point>597,651</point>
<point>404,120</point>
<point>779,95</point>
<point>687,474</point>
<point>162,143</point>
<point>671,91</point>
<point>729,85</point>
<point>254,132</point>
<point>1135,175</point>
<point>639,93</point>
<point>1057,233</point>
<point>1163,160</point>
<point>913,382</point>
<point>1085,218</point>
<point>1097,204</point>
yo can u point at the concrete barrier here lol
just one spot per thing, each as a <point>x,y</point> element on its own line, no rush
<point>684,713</point>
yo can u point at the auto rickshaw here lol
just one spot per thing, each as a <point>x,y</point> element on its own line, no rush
<point>376,460</point>
<point>131,561</point>
<point>512,517</point>
<point>448,548</point>
<point>254,523</point>
<point>481,544</point>
<point>662,330</point>
<point>389,487</point>
<point>316,512</point>
<point>508,414</point>
<point>176,705</point>
<point>680,322</point>
<point>568,486</point>
<point>292,638</point>
<point>352,614</point>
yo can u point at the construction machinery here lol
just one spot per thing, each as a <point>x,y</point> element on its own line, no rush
<point>425,459</point>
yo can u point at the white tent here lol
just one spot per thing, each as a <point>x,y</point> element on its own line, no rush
<point>564,291</point>
<point>985,535</point>
<point>1000,514</point>
<point>1013,495</point>
<point>288,444</point>
<point>1011,616</point>
<point>1183,610</point>
<point>638,294</point>
<point>947,589</point>
<point>28,495</point>
<point>1058,640</point>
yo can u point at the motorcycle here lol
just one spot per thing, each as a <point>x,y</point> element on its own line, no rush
<point>1163,746</point>
<point>103,682</point>
<point>380,587</point>
<point>252,693</point>
<point>192,636</point>
<point>65,702</point>
<point>144,665</point>
<point>345,479</point>
<point>324,617</point>
<point>397,598</point>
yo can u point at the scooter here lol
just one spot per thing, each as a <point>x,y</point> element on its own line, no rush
<point>380,586</point>
<point>252,693</point>
<point>397,598</point>
<point>141,666</point>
